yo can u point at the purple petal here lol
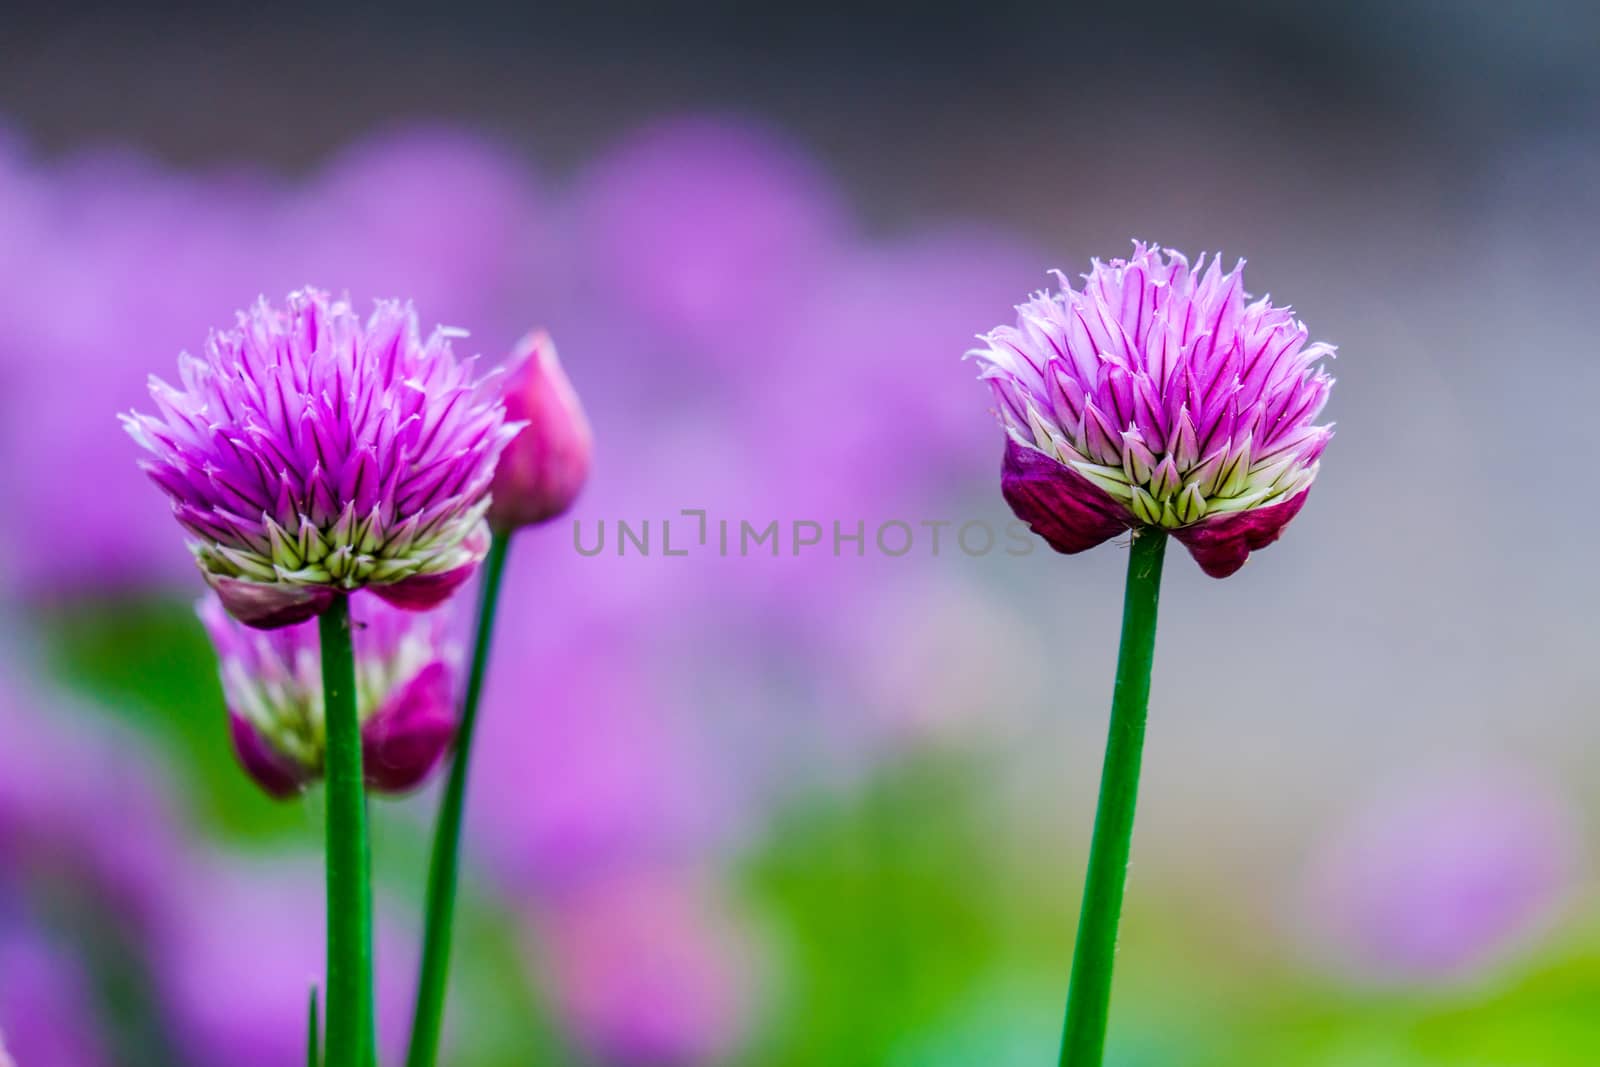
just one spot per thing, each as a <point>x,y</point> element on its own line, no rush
<point>275,773</point>
<point>1221,545</point>
<point>1058,503</point>
<point>423,591</point>
<point>405,740</point>
<point>270,606</point>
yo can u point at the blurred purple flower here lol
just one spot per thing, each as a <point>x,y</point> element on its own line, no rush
<point>85,823</point>
<point>455,221</point>
<point>237,970</point>
<point>706,229</point>
<point>648,970</point>
<point>47,1013</point>
<point>875,321</point>
<point>577,770</point>
<point>309,454</point>
<point>909,667</point>
<point>1155,397</point>
<point>544,467</point>
<point>60,776</point>
<point>1442,875</point>
<point>407,665</point>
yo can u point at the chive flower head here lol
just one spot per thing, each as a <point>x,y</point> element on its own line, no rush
<point>1156,396</point>
<point>310,453</point>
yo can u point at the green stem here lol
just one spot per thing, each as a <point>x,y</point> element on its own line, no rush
<point>445,864</point>
<point>1089,996</point>
<point>349,984</point>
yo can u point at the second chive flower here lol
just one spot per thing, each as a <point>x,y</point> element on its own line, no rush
<point>1156,396</point>
<point>407,670</point>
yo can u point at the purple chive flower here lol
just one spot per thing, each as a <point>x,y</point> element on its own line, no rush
<point>47,1010</point>
<point>543,469</point>
<point>649,970</point>
<point>235,972</point>
<point>719,222</point>
<point>457,221</point>
<point>954,276</point>
<point>604,773</point>
<point>61,770</point>
<point>1156,396</point>
<point>309,454</point>
<point>1439,877</point>
<point>406,671</point>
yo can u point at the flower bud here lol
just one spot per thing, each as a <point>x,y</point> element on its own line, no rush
<point>406,672</point>
<point>544,467</point>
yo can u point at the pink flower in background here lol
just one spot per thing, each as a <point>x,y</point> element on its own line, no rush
<point>82,808</point>
<point>876,320</point>
<point>1439,877</point>
<point>457,222</point>
<point>88,830</point>
<point>62,769</point>
<point>1155,396</point>
<point>648,970</point>
<point>911,681</point>
<point>407,670</point>
<point>309,453</point>
<point>47,1010</point>
<point>247,944</point>
<point>706,230</point>
<point>578,770</point>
